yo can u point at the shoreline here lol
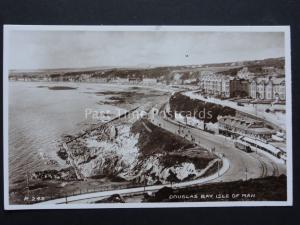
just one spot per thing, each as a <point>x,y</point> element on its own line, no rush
<point>41,185</point>
<point>69,187</point>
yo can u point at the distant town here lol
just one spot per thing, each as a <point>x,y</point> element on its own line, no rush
<point>262,80</point>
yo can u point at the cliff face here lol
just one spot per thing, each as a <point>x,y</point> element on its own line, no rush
<point>103,152</point>
<point>138,152</point>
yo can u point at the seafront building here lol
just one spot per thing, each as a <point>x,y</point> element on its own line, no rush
<point>236,126</point>
<point>224,86</point>
<point>239,87</point>
<point>214,84</point>
<point>244,73</point>
<point>268,88</point>
<point>244,84</point>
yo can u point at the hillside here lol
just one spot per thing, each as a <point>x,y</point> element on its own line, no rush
<point>166,73</point>
<point>206,111</point>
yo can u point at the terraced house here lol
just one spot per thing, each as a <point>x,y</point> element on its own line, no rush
<point>239,87</point>
<point>268,88</point>
<point>214,84</point>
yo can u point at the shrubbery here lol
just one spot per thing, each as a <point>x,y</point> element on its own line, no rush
<point>206,111</point>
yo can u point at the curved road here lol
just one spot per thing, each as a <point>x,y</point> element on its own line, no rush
<point>93,197</point>
<point>242,165</point>
<point>237,165</point>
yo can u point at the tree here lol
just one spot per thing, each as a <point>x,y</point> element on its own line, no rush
<point>172,177</point>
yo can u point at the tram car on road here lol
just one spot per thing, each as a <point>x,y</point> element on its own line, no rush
<point>268,148</point>
<point>242,146</point>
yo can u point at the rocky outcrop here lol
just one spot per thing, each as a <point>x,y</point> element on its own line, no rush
<point>138,152</point>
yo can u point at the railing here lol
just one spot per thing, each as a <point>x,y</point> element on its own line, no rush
<point>40,196</point>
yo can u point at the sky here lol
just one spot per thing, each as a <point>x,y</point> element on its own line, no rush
<point>30,50</point>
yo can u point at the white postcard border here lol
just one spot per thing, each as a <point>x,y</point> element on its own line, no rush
<point>286,29</point>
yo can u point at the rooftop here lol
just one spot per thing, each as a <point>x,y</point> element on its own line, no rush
<point>262,130</point>
<point>245,123</point>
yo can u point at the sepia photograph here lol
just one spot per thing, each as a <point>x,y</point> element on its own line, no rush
<point>146,116</point>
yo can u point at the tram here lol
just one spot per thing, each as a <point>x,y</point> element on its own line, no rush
<point>242,146</point>
<point>257,144</point>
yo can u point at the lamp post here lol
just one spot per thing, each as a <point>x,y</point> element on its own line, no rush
<point>218,168</point>
<point>27,184</point>
<point>145,182</point>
